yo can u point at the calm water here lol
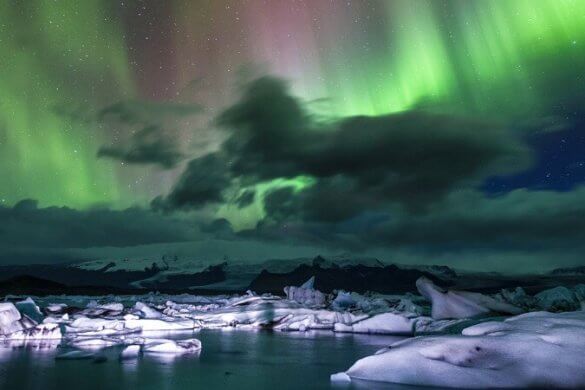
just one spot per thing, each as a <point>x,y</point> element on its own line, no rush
<point>230,359</point>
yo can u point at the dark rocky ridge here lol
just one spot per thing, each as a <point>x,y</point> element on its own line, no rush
<point>359,278</point>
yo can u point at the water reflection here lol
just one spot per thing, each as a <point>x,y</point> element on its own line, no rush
<point>229,359</point>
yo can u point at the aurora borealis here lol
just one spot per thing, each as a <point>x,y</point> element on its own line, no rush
<point>117,104</point>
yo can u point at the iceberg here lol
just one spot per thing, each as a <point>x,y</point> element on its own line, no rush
<point>174,347</point>
<point>385,323</point>
<point>29,308</point>
<point>147,311</point>
<point>95,343</point>
<point>537,349</point>
<point>557,299</point>
<point>56,308</point>
<point>305,294</point>
<point>130,352</point>
<point>9,318</point>
<point>159,324</point>
<point>460,304</point>
<point>17,326</point>
<point>38,332</point>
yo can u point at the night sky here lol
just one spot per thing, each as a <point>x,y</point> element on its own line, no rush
<point>436,132</point>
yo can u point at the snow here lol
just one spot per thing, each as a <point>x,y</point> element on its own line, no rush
<point>537,349</point>
<point>460,304</point>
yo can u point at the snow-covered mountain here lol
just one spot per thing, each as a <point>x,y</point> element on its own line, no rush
<point>172,264</point>
<point>177,272</point>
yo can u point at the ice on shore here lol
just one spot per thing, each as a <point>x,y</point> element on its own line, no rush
<point>537,349</point>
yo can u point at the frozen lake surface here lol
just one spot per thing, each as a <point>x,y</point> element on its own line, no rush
<point>230,359</point>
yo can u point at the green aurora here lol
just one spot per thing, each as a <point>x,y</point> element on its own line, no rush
<point>503,58</point>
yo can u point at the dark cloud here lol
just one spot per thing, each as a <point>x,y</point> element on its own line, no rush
<point>331,199</point>
<point>464,221</point>
<point>413,158</point>
<point>28,226</point>
<point>407,157</point>
<point>407,182</point>
<point>280,203</point>
<point>148,146</point>
<point>521,219</point>
<point>202,182</point>
<point>219,228</point>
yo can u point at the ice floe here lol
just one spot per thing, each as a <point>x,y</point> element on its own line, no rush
<point>538,349</point>
<point>130,352</point>
<point>173,346</point>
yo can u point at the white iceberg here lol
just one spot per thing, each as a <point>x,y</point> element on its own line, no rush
<point>38,332</point>
<point>173,346</point>
<point>306,294</point>
<point>95,343</point>
<point>460,304</point>
<point>531,350</point>
<point>56,308</point>
<point>13,322</point>
<point>9,318</point>
<point>385,323</point>
<point>147,311</point>
<point>156,324</point>
<point>130,352</point>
